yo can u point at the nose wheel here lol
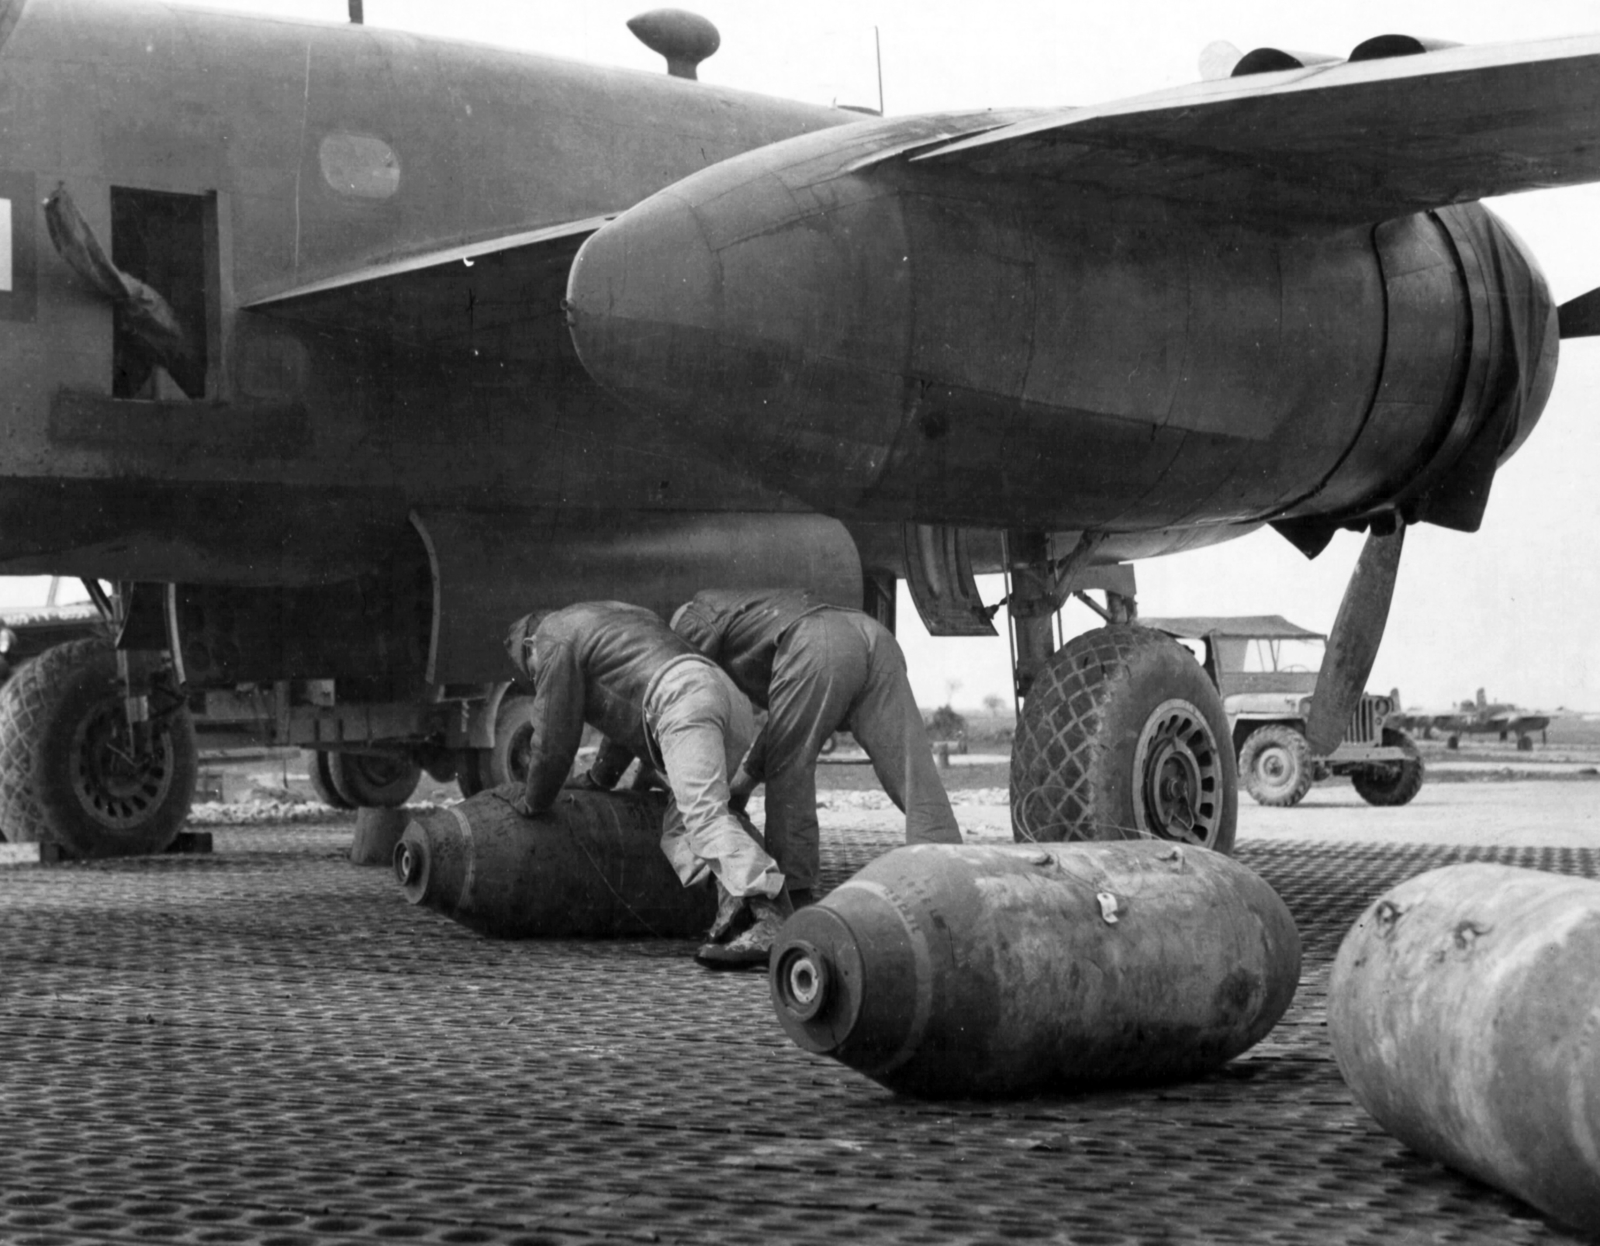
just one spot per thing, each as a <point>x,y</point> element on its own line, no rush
<point>73,773</point>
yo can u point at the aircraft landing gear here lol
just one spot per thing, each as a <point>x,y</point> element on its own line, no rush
<point>1124,736</point>
<point>75,772</point>
<point>1121,734</point>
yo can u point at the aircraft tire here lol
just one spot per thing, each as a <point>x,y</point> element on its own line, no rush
<point>1391,784</point>
<point>1123,735</point>
<point>322,779</point>
<point>373,780</point>
<point>1275,765</point>
<point>65,774</point>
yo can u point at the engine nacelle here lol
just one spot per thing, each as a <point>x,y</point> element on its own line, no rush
<point>887,341</point>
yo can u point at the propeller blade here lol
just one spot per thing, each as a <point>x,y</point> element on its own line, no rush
<point>1353,644</point>
<point>1580,317</point>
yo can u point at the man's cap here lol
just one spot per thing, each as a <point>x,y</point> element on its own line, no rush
<point>519,637</point>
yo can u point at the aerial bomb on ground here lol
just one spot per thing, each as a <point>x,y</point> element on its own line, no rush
<point>1464,1011</point>
<point>979,971</point>
<point>590,867</point>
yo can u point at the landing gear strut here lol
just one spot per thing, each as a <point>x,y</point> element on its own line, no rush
<point>1121,734</point>
<point>1124,737</point>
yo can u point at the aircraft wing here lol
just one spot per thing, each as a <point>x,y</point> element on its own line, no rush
<point>460,295</point>
<point>1348,141</point>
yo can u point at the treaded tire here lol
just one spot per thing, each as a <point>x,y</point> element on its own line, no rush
<point>63,772</point>
<point>373,780</point>
<point>1275,765</point>
<point>1124,735</point>
<point>478,769</point>
<point>507,761</point>
<point>1392,784</point>
<point>321,776</point>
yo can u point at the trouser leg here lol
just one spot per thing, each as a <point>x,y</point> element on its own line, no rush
<point>816,673</point>
<point>703,725</point>
<point>888,725</point>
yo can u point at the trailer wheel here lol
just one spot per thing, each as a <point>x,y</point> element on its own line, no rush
<point>1275,765</point>
<point>318,769</point>
<point>373,780</point>
<point>506,761</point>
<point>467,771</point>
<point>1124,736</point>
<point>69,772</point>
<point>1391,783</point>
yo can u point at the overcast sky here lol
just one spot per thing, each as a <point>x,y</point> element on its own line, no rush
<point>1514,607</point>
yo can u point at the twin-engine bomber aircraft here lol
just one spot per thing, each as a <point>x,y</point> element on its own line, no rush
<point>336,348</point>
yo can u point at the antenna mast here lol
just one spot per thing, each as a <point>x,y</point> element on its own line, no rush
<point>877,47</point>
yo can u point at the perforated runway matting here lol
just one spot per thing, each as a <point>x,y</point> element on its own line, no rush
<point>269,1047</point>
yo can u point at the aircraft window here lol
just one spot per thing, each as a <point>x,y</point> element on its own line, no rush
<point>1272,656</point>
<point>360,165</point>
<point>159,341</point>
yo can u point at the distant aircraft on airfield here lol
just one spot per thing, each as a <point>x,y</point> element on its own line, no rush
<point>1479,717</point>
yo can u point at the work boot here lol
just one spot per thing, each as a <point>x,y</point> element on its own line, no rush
<point>733,915</point>
<point>751,949</point>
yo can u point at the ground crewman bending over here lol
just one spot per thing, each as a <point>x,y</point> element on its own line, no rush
<point>818,668</point>
<point>620,669</point>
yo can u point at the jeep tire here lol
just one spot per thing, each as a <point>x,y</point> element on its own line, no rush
<point>1275,765</point>
<point>1391,783</point>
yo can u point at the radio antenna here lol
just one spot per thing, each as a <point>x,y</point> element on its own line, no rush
<point>877,47</point>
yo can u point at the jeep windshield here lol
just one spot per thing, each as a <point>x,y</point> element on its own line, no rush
<point>1272,656</point>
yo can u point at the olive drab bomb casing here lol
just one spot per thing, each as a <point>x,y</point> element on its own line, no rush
<point>983,971</point>
<point>590,867</point>
<point>1464,1011</point>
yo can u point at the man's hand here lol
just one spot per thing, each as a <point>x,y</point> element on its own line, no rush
<point>522,806</point>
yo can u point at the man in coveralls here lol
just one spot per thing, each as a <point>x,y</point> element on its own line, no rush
<point>620,669</point>
<point>817,668</point>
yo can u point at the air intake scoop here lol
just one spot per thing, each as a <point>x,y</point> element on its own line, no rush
<point>684,38</point>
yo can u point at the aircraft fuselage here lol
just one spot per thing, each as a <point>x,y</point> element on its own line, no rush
<point>784,323</point>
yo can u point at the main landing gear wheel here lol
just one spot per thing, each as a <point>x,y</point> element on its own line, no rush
<point>1275,765</point>
<point>373,780</point>
<point>1391,783</point>
<point>70,771</point>
<point>1123,736</point>
<point>505,762</point>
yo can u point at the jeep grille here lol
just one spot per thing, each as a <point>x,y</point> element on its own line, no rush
<point>1366,724</point>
